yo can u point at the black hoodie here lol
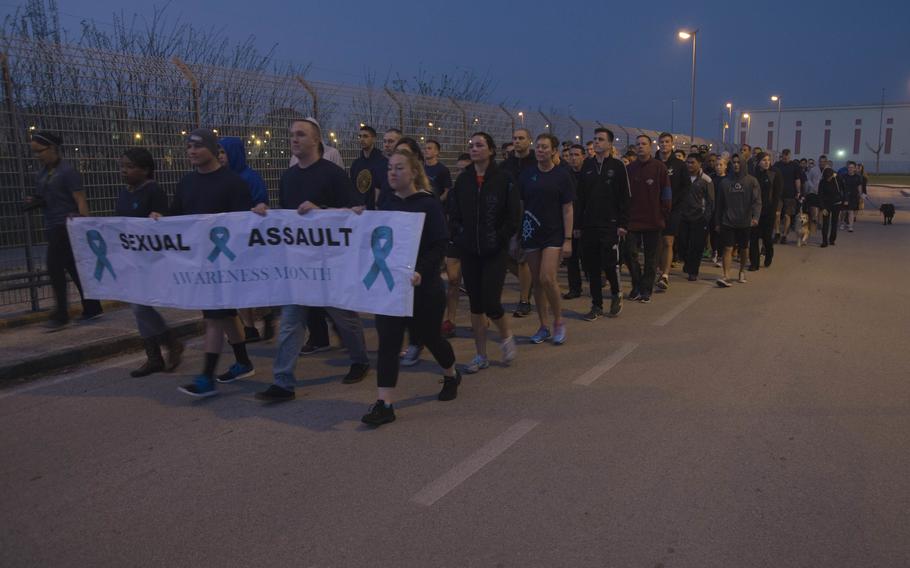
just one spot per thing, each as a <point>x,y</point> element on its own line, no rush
<point>771,190</point>
<point>603,195</point>
<point>433,238</point>
<point>484,217</point>
<point>830,190</point>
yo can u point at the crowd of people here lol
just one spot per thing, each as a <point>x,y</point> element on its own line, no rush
<point>526,207</point>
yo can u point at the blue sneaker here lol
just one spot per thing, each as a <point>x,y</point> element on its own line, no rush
<point>559,336</point>
<point>236,372</point>
<point>201,387</point>
<point>542,335</point>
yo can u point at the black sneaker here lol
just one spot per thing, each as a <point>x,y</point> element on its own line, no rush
<point>593,314</point>
<point>450,387</point>
<point>251,335</point>
<point>90,316</point>
<point>663,283</point>
<point>276,394</point>
<point>523,310</point>
<point>634,296</point>
<point>645,299</point>
<point>54,325</point>
<point>571,295</point>
<point>615,306</point>
<point>358,372</point>
<point>309,349</point>
<point>379,414</point>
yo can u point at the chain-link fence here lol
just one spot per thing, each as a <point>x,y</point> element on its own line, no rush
<point>103,103</point>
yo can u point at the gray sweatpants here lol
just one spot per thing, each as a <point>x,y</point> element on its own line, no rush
<point>291,336</point>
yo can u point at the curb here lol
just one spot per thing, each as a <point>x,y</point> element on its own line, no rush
<point>55,360</point>
<point>43,315</point>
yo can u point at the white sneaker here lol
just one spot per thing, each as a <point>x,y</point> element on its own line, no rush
<point>477,363</point>
<point>742,278</point>
<point>509,350</point>
<point>411,356</point>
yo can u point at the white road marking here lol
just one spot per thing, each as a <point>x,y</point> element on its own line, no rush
<point>611,361</point>
<point>473,463</point>
<point>668,317</point>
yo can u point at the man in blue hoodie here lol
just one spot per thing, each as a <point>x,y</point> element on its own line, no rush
<point>235,158</point>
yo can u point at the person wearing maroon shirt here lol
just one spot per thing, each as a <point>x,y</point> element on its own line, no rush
<point>649,209</point>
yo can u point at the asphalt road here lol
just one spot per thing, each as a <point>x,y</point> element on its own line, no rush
<point>765,425</point>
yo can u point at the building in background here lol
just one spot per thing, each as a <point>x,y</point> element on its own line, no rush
<point>850,132</point>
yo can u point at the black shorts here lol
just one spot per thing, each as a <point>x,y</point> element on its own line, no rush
<point>812,200</point>
<point>730,236</point>
<point>789,206</point>
<point>452,251</point>
<point>672,228</point>
<point>218,314</point>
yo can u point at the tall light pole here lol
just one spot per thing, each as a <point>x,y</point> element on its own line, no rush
<point>777,99</point>
<point>686,35</point>
<point>748,118</point>
<point>728,124</point>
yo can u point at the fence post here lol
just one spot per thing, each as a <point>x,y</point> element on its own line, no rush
<point>547,122</point>
<point>464,118</point>
<point>581,130</point>
<point>194,86</point>
<point>509,114</point>
<point>309,88</point>
<point>400,108</point>
<point>16,125</point>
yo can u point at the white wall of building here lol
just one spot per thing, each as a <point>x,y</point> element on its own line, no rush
<point>804,131</point>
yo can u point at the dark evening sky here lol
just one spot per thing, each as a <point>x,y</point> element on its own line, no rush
<point>616,62</point>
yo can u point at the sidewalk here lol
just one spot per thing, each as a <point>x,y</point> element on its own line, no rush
<point>27,349</point>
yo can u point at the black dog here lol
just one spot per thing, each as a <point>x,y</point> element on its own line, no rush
<point>887,210</point>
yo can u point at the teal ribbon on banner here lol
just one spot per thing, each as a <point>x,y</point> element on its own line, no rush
<point>99,247</point>
<point>381,245</point>
<point>219,237</point>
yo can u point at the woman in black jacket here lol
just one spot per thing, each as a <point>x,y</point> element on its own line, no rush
<point>832,197</point>
<point>484,210</point>
<point>412,194</point>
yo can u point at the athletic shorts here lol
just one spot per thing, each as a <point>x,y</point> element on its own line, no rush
<point>812,200</point>
<point>731,236</point>
<point>218,314</point>
<point>672,228</point>
<point>789,206</point>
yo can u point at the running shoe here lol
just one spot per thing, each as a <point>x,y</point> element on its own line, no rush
<point>634,296</point>
<point>723,283</point>
<point>716,261</point>
<point>523,310</point>
<point>644,299</point>
<point>477,364</point>
<point>90,316</point>
<point>742,278</point>
<point>379,414</point>
<point>593,314</point>
<point>571,295</point>
<point>450,387</point>
<point>559,335</point>
<point>448,329</point>
<point>663,282</point>
<point>509,350</point>
<point>411,356</point>
<point>309,349</point>
<point>276,394</point>
<point>201,387</point>
<point>615,306</point>
<point>357,373</point>
<point>235,373</point>
<point>542,335</point>
<point>54,325</point>
<point>693,277</point>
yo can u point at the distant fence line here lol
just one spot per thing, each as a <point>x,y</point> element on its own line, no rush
<point>103,103</point>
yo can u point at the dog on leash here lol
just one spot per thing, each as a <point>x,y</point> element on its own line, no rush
<point>887,210</point>
<point>803,230</point>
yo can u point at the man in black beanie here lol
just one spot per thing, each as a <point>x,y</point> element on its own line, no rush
<point>60,193</point>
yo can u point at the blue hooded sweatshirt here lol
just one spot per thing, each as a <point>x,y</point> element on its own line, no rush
<point>236,154</point>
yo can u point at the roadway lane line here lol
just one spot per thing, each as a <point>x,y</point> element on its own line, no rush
<point>668,317</point>
<point>473,463</point>
<point>601,368</point>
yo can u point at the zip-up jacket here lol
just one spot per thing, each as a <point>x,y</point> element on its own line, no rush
<point>738,201</point>
<point>771,191</point>
<point>696,202</point>
<point>603,195</point>
<point>484,218</point>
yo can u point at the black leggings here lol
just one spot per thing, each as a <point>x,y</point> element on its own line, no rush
<point>762,232</point>
<point>60,261</point>
<point>429,307</point>
<point>484,277</point>
<point>600,253</point>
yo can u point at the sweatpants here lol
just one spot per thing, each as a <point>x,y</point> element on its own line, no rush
<point>691,238</point>
<point>642,276</point>
<point>762,232</point>
<point>600,252</point>
<point>60,262</point>
<point>829,225</point>
<point>426,323</point>
<point>573,266</point>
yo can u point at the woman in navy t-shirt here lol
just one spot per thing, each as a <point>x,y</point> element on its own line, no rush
<point>547,192</point>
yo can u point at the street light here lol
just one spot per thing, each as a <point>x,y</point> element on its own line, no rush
<point>728,123</point>
<point>777,99</point>
<point>748,118</point>
<point>684,35</point>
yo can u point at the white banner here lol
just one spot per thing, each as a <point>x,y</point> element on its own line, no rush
<point>242,260</point>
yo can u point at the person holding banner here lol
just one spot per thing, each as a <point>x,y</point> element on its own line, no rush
<point>142,196</point>
<point>313,183</point>
<point>406,175</point>
<point>212,188</point>
<point>485,212</point>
